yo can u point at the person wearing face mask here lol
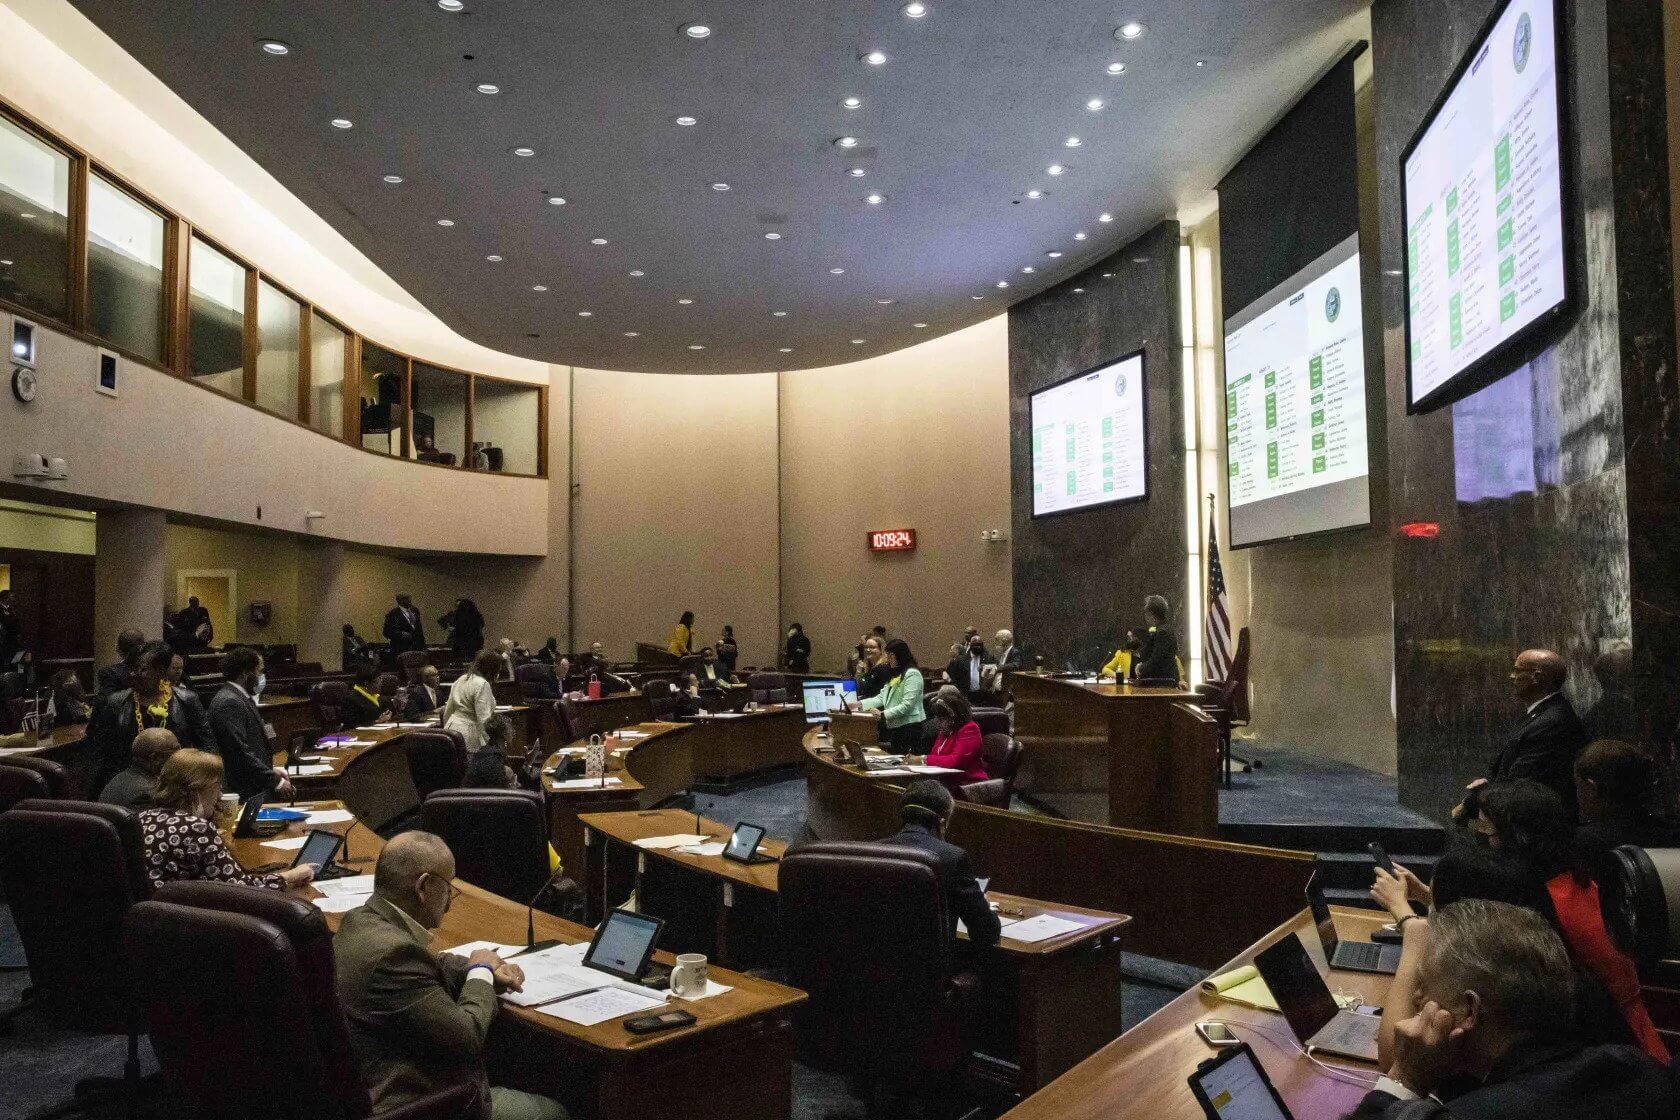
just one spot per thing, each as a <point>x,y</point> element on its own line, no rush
<point>179,834</point>
<point>151,700</point>
<point>712,673</point>
<point>925,813</point>
<point>796,652</point>
<point>956,743</point>
<point>727,649</point>
<point>973,671</point>
<point>244,738</point>
<point>418,1019</point>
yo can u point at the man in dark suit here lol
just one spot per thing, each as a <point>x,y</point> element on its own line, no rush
<point>925,810</point>
<point>1156,656</point>
<point>973,671</point>
<point>425,697</point>
<point>243,736</point>
<point>1545,744</point>
<point>1491,1037</point>
<point>191,626</point>
<point>418,1019</point>
<point>114,678</point>
<point>1009,654</point>
<point>404,628</point>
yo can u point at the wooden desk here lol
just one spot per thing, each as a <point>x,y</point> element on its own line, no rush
<point>1162,753</point>
<point>731,745</point>
<point>564,806</point>
<point>1045,1005</point>
<point>734,1063</point>
<point>1161,879</point>
<point>609,713</point>
<point>286,714</point>
<point>1142,1075</point>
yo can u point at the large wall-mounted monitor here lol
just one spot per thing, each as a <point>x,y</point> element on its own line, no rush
<point>1487,203</point>
<point>1295,432</point>
<point>1088,439</point>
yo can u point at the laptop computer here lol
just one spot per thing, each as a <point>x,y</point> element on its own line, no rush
<point>1355,956</point>
<point>1234,1086</point>
<point>1312,1012</point>
<point>743,845</point>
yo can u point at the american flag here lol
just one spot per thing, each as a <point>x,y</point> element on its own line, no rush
<point>1218,652</point>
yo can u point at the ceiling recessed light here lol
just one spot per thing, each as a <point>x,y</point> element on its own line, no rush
<point>696,346</point>
<point>524,153</point>
<point>1140,260</point>
<point>779,314</point>
<point>5,264</point>
<point>698,31</point>
<point>1130,30</point>
<point>446,221</point>
<point>393,179</point>
<point>451,5</point>
<point>1105,217</point>
<point>1035,193</point>
<point>1003,283</point>
<point>556,200</point>
<point>1079,291</point>
<point>852,102</point>
<point>637,272</point>
<point>1072,142</point>
<point>786,350</point>
<point>1108,276</point>
<point>585,314</point>
<point>686,122</point>
<point>876,199</point>
<point>1054,253</point>
<point>875,58</point>
<point>1080,236</point>
<point>918,326</point>
<point>1201,62</point>
<point>488,88</point>
<point>837,271</point>
<point>342,122</point>
<point>274,47</point>
<point>1117,68</point>
<point>976,297</point>
<point>539,287</point>
<point>685,300</point>
<point>1028,268</point>
<point>884,302</point>
<point>1054,169</point>
<point>494,258</point>
<point>857,173</point>
<point>772,236</point>
<point>846,142</point>
<point>632,334</point>
<point>720,186</point>
<point>859,341</point>
<point>597,241</point>
<point>915,9</point>
<point>1094,104</point>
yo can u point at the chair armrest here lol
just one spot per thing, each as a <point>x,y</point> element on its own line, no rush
<point>989,792</point>
<point>454,1103</point>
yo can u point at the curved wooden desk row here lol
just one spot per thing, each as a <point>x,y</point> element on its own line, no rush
<point>1193,900</point>
<point>734,1062</point>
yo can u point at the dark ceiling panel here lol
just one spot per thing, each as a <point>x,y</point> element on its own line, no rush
<point>972,106</point>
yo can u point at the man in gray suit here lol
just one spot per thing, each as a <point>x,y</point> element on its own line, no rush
<point>243,736</point>
<point>418,1019</point>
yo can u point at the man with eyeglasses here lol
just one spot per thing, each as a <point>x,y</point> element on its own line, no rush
<point>1545,744</point>
<point>418,1019</point>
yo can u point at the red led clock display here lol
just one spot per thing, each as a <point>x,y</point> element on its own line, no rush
<point>892,540</point>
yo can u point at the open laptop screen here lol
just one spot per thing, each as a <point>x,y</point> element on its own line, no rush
<point>1300,991</point>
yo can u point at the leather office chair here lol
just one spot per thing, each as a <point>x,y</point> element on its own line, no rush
<point>410,662</point>
<point>326,700</point>
<point>992,721</point>
<point>1001,756</point>
<point>18,784</point>
<point>219,969</point>
<point>662,697</point>
<point>1227,702</point>
<point>499,837</point>
<point>56,776</point>
<point>768,688</point>
<point>436,760</point>
<point>72,870</point>
<point>865,930</point>
<point>537,681</point>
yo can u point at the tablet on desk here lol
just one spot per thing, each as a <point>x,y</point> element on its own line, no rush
<point>624,944</point>
<point>318,850</point>
<point>1233,1086</point>
<point>743,845</point>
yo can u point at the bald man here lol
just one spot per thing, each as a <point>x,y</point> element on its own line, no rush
<point>418,1019</point>
<point>1544,746</point>
<point>132,787</point>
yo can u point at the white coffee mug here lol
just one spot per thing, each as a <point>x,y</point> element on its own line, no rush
<point>688,979</point>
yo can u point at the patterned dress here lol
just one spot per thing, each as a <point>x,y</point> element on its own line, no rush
<point>181,847</point>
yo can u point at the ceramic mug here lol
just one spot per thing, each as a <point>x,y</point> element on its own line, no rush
<point>688,979</point>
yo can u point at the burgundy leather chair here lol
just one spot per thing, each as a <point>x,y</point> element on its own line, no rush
<point>326,699</point>
<point>992,721</point>
<point>1001,756</point>
<point>662,698</point>
<point>499,837</point>
<point>865,930</point>
<point>537,681</point>
<point>18,784</point>
<point>436,760</point>
<point>768,688</point>
<point>410,662</point>
<point>71,871</point>
<point>237,989</point>
<point>55,778</point>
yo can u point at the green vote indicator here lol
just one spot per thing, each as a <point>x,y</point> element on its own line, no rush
<point>1507,233</point>
<point>1320,464</point>
<point>1502,163</point>
<point>1318,419</point>
<point>1452,248</point>
<point>1318,441</point>
<point>1072,484</point>
<point>1315,372</point>
<point>1507,271</point>
<point>1271,460</point>
<point>1507,306</point>
<point>1455,321</point>
<point>1271,410</point>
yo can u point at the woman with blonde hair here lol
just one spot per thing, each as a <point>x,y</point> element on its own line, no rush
<point>472,700</point>
<point>180,838</point>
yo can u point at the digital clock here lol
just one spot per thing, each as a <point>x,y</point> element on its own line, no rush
<point>892,540</point>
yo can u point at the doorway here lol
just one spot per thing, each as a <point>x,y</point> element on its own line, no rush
<point>217,591</point>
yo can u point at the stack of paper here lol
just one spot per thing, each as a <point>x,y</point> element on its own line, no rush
<point>471,947</point>
<point>1042,928</point>
<point>1242,985</point>
<point>925,769</point>
<point>343,894</point>
<point>703,849</point>
<point>310,770</point>
<point>330,816</point>
<point>290,844</point>
<point>678,840</point>
<point>894,772</point>
<point>592,1007</point>
<point>588,783</point>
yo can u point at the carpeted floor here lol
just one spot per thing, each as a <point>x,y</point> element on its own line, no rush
<point>38,1065</point>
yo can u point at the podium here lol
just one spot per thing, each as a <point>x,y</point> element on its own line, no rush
<point>856,727</point>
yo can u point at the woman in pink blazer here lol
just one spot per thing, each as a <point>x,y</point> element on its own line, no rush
<point>957,744</point>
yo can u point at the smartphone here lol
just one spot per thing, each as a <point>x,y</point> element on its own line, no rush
<point>1380,854</point>
<point>1216,1034</point>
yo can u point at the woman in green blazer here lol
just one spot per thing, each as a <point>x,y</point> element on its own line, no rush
<point>900,703</point>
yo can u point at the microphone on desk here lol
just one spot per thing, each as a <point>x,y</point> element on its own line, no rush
<point>344,853</point>
<point>532,945</point>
